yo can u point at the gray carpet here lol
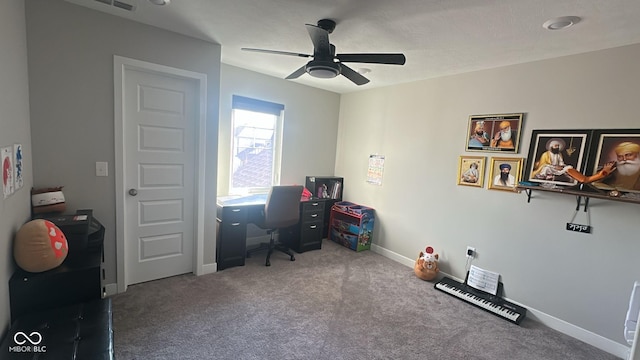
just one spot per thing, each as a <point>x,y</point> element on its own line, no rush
<point>329,304</point>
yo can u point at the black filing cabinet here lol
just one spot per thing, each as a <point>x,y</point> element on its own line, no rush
<point>329,189</point>
<point>76,280</point>
<point>231,248</point>
<point>307,234</point>
<point>65,285</point>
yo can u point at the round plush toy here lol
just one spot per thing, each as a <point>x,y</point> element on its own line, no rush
<point>426,267</point>
<point>39,246</point>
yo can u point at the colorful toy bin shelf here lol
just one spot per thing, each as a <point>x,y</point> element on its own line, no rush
<point>352,225</point>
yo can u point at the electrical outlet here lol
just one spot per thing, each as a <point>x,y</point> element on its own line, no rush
<point>471,252</point>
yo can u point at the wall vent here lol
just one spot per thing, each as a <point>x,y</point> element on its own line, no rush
<point>123,5</point>
<point>119,4</point>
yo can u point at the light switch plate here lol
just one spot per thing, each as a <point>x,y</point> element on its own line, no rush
<point>102,168</point>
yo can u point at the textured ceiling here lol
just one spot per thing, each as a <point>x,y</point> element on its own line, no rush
<point>438,37</point>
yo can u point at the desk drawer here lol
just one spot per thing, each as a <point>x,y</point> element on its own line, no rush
<point>312,206</point>
<point>313,215</point>
<point>233,214</point>
<point>310,236</point>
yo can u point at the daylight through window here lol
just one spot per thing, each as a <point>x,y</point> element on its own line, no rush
<point>255,156</point>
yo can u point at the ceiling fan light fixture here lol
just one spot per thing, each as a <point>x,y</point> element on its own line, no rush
<point>327,70</point>
<point>323,73</point>
<point>561,23</point>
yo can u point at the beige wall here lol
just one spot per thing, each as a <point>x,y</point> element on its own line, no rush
<point>71,51</point>
<point>14,128</point>
<point>421,128</point>
<point>310,123</point>
<point>583,280</point>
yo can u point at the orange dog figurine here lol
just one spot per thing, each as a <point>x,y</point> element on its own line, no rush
<point>426,267</point>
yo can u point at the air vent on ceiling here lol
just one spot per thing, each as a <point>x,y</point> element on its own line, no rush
<point>119,4</point>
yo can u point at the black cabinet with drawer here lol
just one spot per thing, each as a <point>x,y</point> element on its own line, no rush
<point>231,246</point>
<point>67,284</point>
<point>329,189</point>
<point>307,234</point>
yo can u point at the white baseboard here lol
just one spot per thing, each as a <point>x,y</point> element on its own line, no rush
<point>602,343</point>
<point>109,290</point>
<point>209,268</point>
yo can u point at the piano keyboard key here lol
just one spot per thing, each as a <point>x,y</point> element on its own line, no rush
<point>499,307</point>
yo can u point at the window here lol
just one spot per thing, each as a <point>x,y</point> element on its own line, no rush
<point>255,155</point>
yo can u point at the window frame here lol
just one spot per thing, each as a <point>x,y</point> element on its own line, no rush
<point>265,107</point>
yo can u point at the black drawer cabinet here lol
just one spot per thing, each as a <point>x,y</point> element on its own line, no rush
<point>67,284</point>
<point>307,234</point>
<point>231,246</point>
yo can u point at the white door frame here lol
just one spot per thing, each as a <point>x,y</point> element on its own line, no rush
<point>120,64</point>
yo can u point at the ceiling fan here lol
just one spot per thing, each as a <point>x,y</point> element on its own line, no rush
<point>326,63</point>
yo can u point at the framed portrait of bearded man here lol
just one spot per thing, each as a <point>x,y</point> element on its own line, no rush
<point>618,151</point>
<point>553,152</point>
<point>505,173</point>
<point>494,133</point>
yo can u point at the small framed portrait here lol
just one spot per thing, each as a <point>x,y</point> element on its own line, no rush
<point>618,149</point>
<point>553,152</point>
<point>494,133</point>
<point>505,173</point>
<point>471,171</point>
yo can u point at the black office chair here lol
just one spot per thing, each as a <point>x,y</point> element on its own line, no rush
<point>281,210</point>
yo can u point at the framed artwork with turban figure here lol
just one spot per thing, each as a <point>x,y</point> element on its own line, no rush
<point>553,152</point>
<point>621,148</point>
<point>494,133</point>
<point>505,173</point>
<point>471,171</point>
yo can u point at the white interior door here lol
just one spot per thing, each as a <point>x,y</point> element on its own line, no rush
<point>160,113</point>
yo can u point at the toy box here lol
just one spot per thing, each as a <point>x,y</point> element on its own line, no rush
<point>352,225</point>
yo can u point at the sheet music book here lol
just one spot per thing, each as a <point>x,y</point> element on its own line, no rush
<point>484,280</point>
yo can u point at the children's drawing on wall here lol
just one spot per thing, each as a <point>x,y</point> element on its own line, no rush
<point>7,171</point>
<point>376,168</point>
<point>17,167</point>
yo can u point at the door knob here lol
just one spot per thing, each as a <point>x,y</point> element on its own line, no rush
<point>133,192</point>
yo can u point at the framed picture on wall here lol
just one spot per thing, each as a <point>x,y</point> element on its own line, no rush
<point>552,152</point>
<point>505,173</point>
<point>494,133</point>
<point>622,148</point>
<point>471,170</point>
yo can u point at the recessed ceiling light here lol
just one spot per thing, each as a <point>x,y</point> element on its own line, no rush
<point>363,71</point>
<point>160,2</point>
<point>561,22</point>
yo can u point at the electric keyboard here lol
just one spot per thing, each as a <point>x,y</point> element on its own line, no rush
<point>491,303</point>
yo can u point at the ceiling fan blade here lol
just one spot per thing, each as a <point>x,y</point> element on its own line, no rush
<point>391,59</point>
<point>352,75</point>
<point>320,39</point>
<point>277,52</point>
<point>296,74</point>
